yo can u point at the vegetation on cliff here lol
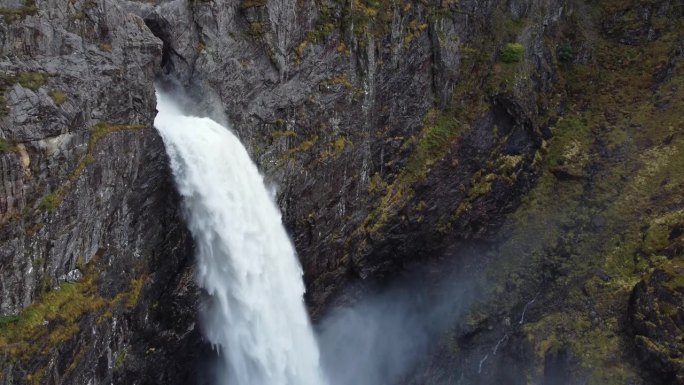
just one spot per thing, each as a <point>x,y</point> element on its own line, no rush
<point>397,129</point>
<point>606,212</point>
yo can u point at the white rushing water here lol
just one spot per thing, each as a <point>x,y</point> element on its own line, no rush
<point>246,262</point>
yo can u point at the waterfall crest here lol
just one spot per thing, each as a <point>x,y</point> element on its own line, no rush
<point>246,262</point>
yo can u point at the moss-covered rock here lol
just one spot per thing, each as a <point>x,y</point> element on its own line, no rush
<point>656,316</point>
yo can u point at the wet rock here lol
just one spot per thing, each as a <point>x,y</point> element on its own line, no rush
<point>84,182</point>
<point>317,101</point>
<point>656,315</point>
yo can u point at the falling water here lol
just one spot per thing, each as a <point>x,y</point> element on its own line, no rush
<point>255,316</point>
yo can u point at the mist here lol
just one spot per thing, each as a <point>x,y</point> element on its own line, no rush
<point>382,338</point>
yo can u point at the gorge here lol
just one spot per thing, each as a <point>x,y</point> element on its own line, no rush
<point>478,192</point>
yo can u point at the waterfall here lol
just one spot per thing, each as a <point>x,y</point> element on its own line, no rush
<point>255,315</point>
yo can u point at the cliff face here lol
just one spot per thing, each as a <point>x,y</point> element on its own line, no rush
<point>596,243</point>
<point>390,130</point>
<point>393,132</point>
<point>85,192</point>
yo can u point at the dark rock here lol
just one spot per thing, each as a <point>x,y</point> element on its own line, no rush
<point>601,274</point>
<point>346,119</point>
<point>87,184</point>
<point>656,318</point>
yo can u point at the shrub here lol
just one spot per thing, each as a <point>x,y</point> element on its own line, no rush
<point>58,96</point>
<point>31,80</point>
<point>512,53</point>
<point>565,53</point>
<point>14,14</point>
<point>5,146</point>
<point>7,320</point>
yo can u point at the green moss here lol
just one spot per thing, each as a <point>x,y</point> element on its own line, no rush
<point>13,14</point>
<point>514,27</point>
<point>53,319</point>
<point>53,200</point>
<point>57,96</point>
<point>512,53</point>
<point>413,30</point>
<point>30,80</point>
<point>341,80</point>
<point>569,147</point>
<point>510,163</point>
<point>201,46</point>
<point>396,197</point>
<point>304,146</point>
<point>255,30</point>
<point>120,360</point>
<point>77,358</point>
<point>6,320</point>
<point>656,238</point>
<point>431,145</point>
<point>36,378</point>
<point>616,215</point>
<point>4,111</point>
<point>596,346</point>
<point>376,184</point>
<point>279,134</point>
<point>340,143</point>
<point>335,148</point>
<point>246,4</point>
<point>658,235</point>
<point>565,52</point>
<point>675,269</point>
<point>323,28</point>
<point>134,291</point>
<point>481,184</point>
<point>80,262</point>
<point>6,146</point>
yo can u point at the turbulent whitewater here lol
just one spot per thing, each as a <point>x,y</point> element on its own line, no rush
<point>255,316</point>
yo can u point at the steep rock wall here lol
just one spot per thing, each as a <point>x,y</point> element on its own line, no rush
<point>390,130</point>
<point>85,191</point>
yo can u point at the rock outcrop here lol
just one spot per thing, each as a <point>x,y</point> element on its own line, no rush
<point>390,130</point>
<point>85,185</point>
<point>657,320</point>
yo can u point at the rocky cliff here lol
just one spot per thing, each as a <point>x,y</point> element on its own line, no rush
<point>389,130</point>
<point>92,243</point>
<point>545,132</point>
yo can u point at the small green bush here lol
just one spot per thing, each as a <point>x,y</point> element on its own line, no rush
<point>51,201</point>
<point>7,320</point>
<point>58,96</point>
<point>512,53</point>
<point>14,14</point>
<point>5,146</point>
<point>565,53</point>
<point>120,359</point>
<point>31,80</point>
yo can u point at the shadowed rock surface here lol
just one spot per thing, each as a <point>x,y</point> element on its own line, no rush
<point>543,134</point>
